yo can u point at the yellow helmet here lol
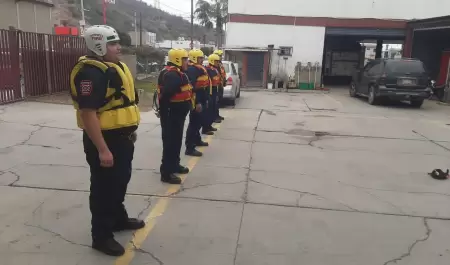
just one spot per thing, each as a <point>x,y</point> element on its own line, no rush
<point>213,58</point>
<point>218,52</point>
<point>176,56</point>
<point>195,54</point>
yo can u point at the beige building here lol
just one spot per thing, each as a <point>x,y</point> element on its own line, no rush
<point>27,15</point>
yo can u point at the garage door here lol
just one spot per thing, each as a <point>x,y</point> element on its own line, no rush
<point>365,32</point>
<point>255,69</point>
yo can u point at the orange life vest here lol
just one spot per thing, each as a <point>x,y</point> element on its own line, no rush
<point>186,87</point>
<point>203,81</point>
<point>215,80</point>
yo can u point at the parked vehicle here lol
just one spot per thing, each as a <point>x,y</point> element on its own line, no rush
<point>393,79</point>
<point>232,89</point>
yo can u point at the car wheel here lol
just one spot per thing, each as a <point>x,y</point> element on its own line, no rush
<point>352,91</point>
<point>417,103</point>
<point>239,92</point>
<point>233,102</point>
<point>373,100</point>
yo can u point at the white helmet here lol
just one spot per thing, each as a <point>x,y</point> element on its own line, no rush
<point>97,36</point>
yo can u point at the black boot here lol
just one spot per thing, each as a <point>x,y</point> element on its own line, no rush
<point>170,178</point>
<point>201,144</point>
<point>206,132</point>
<point>181,170</point>
<point>222,118</point>
<point>130,224</point>
<point>193,152</point>
<point>108,246</point>
<point>212,129</point>
<point>217,120</point>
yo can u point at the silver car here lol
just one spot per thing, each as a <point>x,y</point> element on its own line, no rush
<point>232,89</point>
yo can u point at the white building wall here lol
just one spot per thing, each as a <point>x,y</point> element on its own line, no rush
<point>177,44</point>
<point>381,9</point>
<point>307,42</point>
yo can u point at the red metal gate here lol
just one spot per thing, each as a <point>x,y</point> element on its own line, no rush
<point>64,52</point>
<point>34,63</point>
<point>10,88</point>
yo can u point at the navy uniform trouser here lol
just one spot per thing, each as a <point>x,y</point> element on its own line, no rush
<point>193,131</point>
<point>213,107</point>
<point>172,119</point>
<point>109,185</point>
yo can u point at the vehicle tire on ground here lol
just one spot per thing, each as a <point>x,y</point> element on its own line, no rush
<point>238,93</point>
<point>373,99</point>
<point>417,103</point>
<point>352,90</point>
<point>233,102</point>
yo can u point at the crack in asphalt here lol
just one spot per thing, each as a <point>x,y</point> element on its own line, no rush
<point>248,202</point>
<point>37,208</point>
<point>183,188</point>
<point>354,136</point>
<point>239,234</point>
<point>24,142</point>
<point>44,146</point>
<point>431,141</point>
<point>304,100</point>
<point>305,193</point>
<point>385,201</point>
<point>411,247</point>
<point>244,196</point>
<point>16,180</point>
<point>140,250</point>
<point>149,203</point>
<point>55,234</point>
<point>397,191</point>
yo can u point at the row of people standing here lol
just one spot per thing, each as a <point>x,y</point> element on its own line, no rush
<point>186,86</point>
<point>106,109</point>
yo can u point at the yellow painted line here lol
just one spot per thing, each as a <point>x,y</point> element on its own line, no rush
<point>160,207</point>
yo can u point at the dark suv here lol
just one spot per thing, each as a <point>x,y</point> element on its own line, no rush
<point>395,79</point>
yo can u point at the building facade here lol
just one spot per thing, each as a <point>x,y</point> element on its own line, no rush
<point>27,15</point>
<point>148,38</point>
<point>301,35</point>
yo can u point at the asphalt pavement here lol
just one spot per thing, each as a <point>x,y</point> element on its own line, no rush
<point>312,178</point>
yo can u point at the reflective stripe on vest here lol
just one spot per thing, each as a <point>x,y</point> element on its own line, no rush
<point>120,109</point>
<point>216,80</point>
<point>186,89</point>
<point>203,81</point>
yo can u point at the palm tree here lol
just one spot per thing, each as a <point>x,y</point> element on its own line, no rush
<point>212,13</point>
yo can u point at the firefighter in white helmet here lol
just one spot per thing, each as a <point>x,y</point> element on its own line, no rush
<point>105,101</point>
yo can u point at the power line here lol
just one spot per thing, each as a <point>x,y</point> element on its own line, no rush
<point>183,12</point>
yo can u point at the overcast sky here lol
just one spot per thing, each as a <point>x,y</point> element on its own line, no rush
<point>176,7</point>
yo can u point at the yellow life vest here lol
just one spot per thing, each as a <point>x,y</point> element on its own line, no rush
<point>120,109</point>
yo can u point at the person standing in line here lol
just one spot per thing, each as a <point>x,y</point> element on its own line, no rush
<point>174,95</point>
<point>223,77</point>
<point>214,75</point>
<point>105,100</point>
<point>199,79</point>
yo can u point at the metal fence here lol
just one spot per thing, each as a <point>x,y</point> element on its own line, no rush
<point>10,89</point>
<point>34,64</point>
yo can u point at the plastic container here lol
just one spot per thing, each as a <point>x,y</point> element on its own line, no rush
<point>269,86</point>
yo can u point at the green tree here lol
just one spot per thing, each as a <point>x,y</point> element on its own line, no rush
<point>213,13</point>
<point>207,50</point>
<point>125,39</point>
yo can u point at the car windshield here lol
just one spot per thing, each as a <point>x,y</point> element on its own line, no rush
<point>409,67</point>
<point>226,67</point>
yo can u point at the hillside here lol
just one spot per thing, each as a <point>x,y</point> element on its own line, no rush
<point>121,16</point>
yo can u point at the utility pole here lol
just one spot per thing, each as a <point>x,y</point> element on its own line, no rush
<point>192,24</point>
<point>140,28</point>
<point>135,30</point>
<point>83,21</point>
